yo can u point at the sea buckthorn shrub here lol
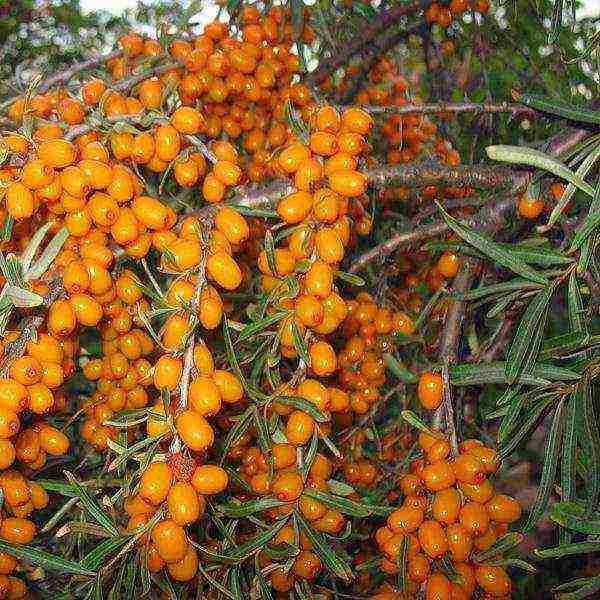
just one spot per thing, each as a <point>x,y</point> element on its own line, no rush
<point>207,387</point>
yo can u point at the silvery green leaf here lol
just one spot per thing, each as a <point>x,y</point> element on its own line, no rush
<point>48,255</point>
<point>33,246</point>
<point>23,298</point>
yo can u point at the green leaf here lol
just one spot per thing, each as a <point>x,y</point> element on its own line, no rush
<point>415,421</point>
<point>570,190</point>
<point>345,505</point>
<point>494,372</point>
<point>44,559</point>
<point>236,432</point>
<point>252,329</point>
<point>535,158</point>
<point>96,558</point>
<point>528,337</point>
<point>257,542</point>
<point>401,562</point>
<point>492,250</point>
<point>585,587</point>
<point>33,246</point>
<point>129,451</point>
<point>575,306</point>
<point>22,298</point>
<point>568,550</point>
<point>91,506</point>
<point>398,369</point>
<point>589,227</point>
<point>299,343</point>
<point>567,464</point>
<point>551,457</point>
<point>563,345</point>
<point>304,405</point>
<point>593,435</point>
<point>501,546</point>
<point>237,510</point>
<point>531,418</point>
<point>585,254</point>
<point>331,560</point>
<point>565,111</point>
<point>350,278</point>
<point>572,515</point>
<point>48,255</point>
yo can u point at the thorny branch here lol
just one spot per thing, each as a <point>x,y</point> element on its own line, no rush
<point>448,347</point>
<point>29,326</point>
<point>450,107</point>
<point>377,26</point>
<point>487,217</point>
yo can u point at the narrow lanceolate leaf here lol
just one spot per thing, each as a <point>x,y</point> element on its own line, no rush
<point>568,550</point>
<point>551,458</point>
<point>91,506</point>
<point>44,559</point>
<point>511,419</point>
<point>398,369</point>
<point>570,190</point>
<point>565,111</point>
<point>528,337</point>
<point>22,298</point>
<point>415,421</point>
<point>591,427</point>
<point>347,506</point>
<point>530,419</point>
<point>501,546</point>
<point>587,248</point>
<point>350,278</point>
<point>401,563</point>
<point>304,405</point>
<point>578,589</point>
<point>567,464</point>
<point>236,432</point>
<point>534,158</point>
<point>541,374</point>
<point>331,560</point>
<point>252,329</point>
<point>572,515</point>
<point>564,345</point>
<point>251,507</point>
<point>231,356</point>
<point>33,246</point>
<point>493,250</point>
<point>299,343</point>
<point>48,255</point>
<point>98,556</point>
<point>244,550</point>
<point>590,226</point>
<point>575,306</point>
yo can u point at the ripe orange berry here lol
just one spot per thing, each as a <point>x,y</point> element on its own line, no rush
<point>430,390</point>
<point>494,580</point>
<point>156,483</point>
<point>433,539</point>
<point>170,540</point>
<point>503,509</point>
<point>438,476</point>
<point>17,531</point>
<point>183,503</point>
<point>209,479</point>
<point>299,428</point>
<point>194,430</point>
<point>530,208</point>
<point>323,360</point>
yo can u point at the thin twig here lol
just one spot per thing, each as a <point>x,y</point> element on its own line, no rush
<point>450,107</point>
<point>378,25</point>
<point>448,347</point>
